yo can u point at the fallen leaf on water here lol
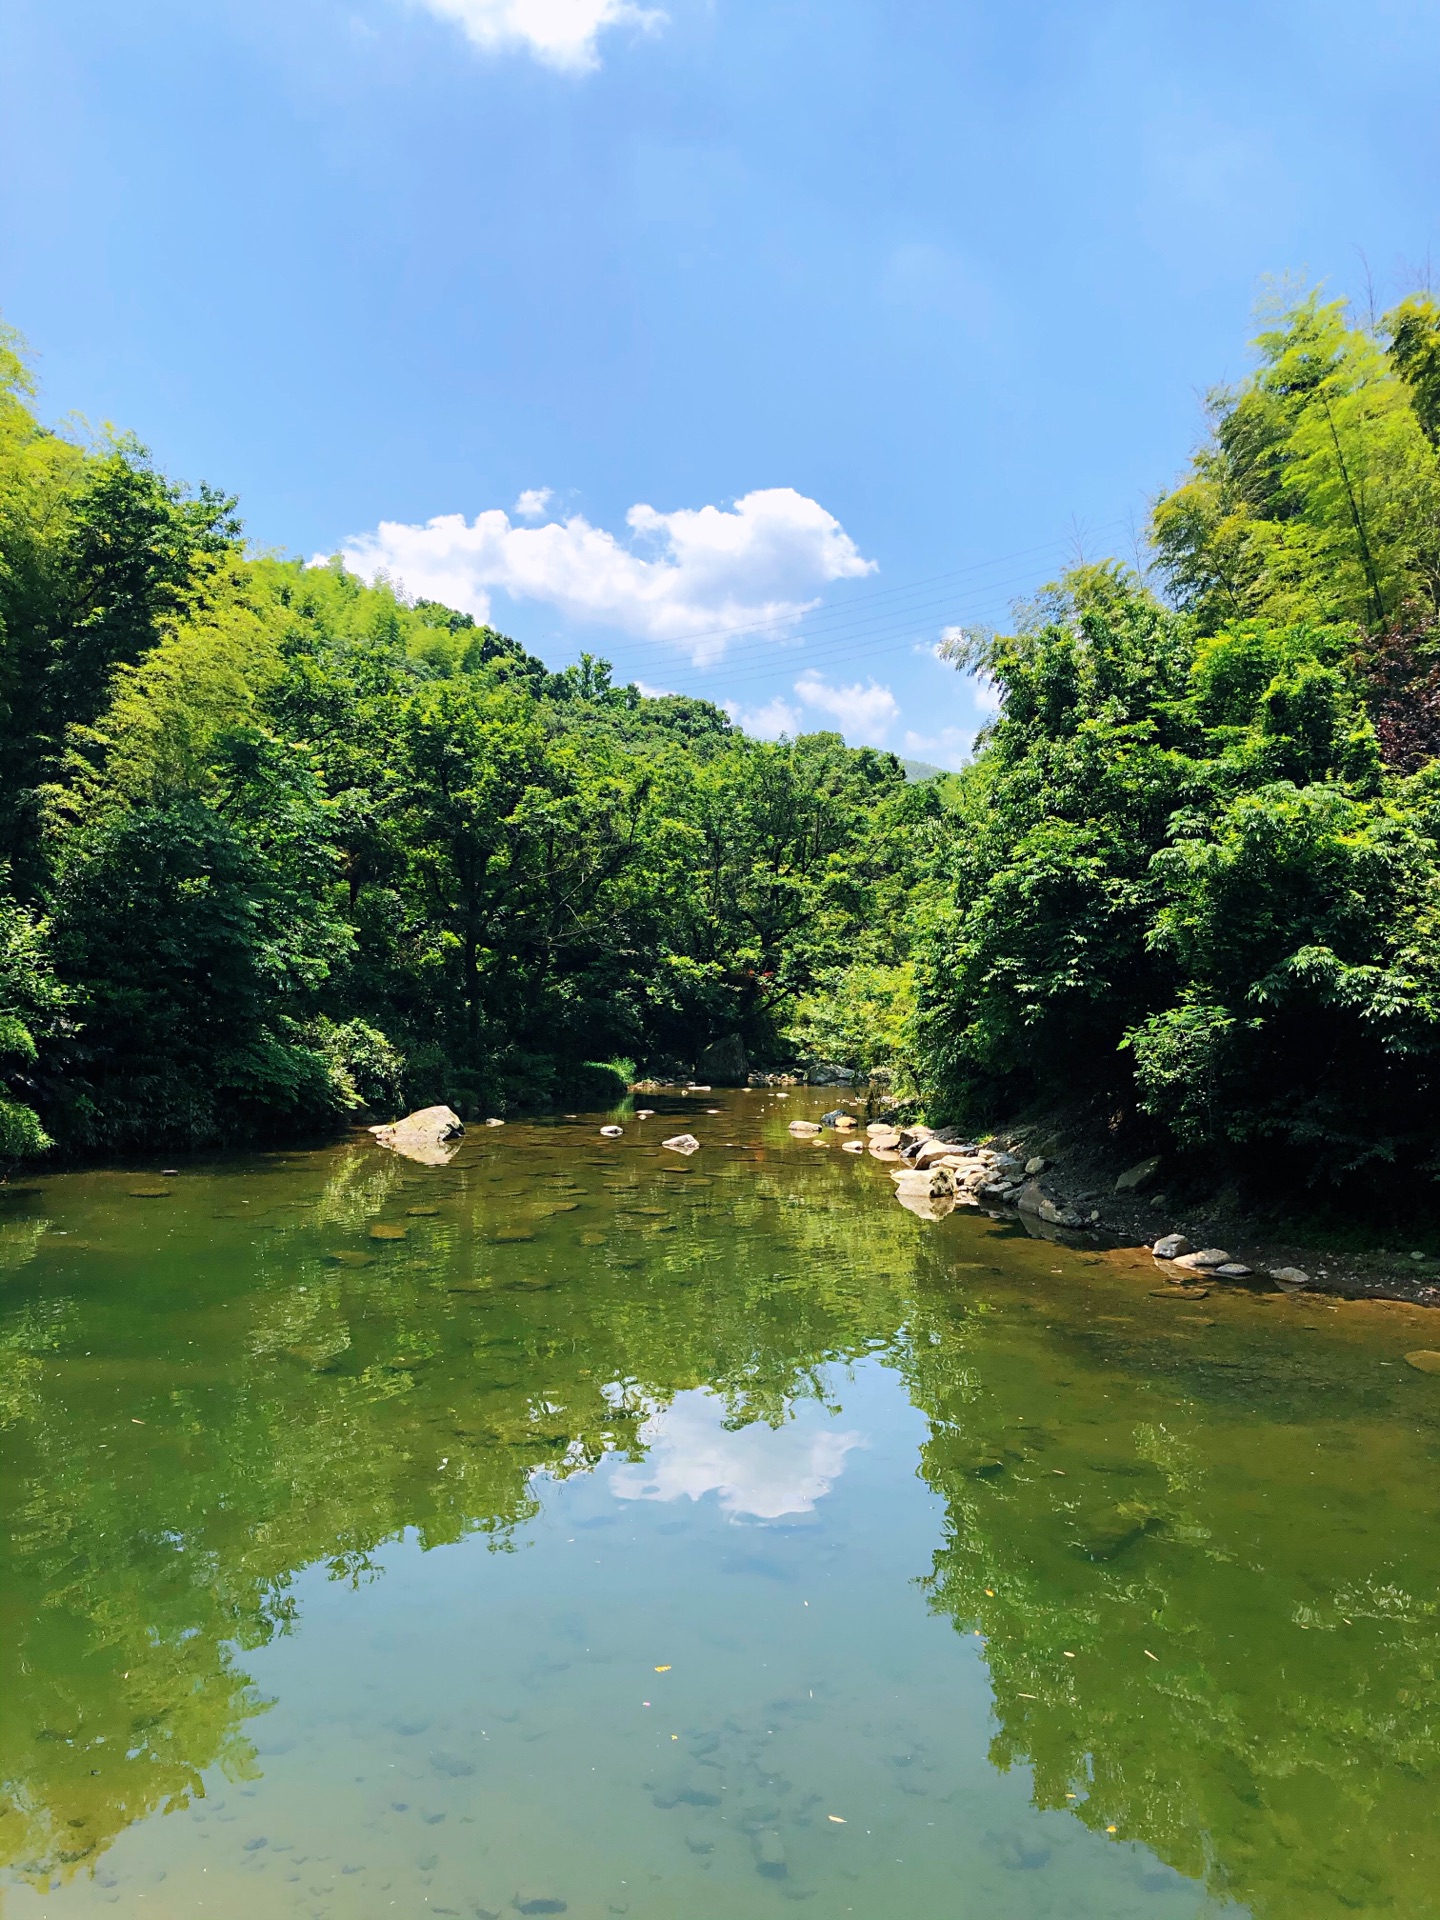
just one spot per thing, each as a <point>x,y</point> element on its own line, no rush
<point>662,1669</point>
<point>1110,1829</point>
<point>1029,1696</point>
<point>1149,1655</point>
<point>838,1818</point>
<point>1069,1656</point>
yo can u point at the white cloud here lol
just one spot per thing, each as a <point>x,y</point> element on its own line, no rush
<point>758,1470</point>
<point>653,693</point>
<point>699,571</point>
<point>532,503</point>
<point>866,713</point>
<point>777,716</point>
<point>561,33</point>
<point>947,747</point>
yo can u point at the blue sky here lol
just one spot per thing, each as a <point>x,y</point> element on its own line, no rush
<point>680,319</point>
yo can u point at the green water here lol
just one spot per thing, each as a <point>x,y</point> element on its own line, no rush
<point>691,1539</point>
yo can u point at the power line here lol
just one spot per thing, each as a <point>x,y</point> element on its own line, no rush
<point>790,622</point>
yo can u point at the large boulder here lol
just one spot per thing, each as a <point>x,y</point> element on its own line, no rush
<point>1135,1178</point>
<point>432,1136</point>
<point>723,1062</point>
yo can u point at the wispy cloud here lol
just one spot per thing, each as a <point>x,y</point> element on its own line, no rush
<point>560,33</point>
<point>685,577</point>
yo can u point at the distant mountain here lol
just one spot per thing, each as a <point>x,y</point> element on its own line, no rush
<point>919,769</point>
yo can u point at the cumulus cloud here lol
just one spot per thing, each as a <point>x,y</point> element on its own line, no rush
<point>777,716</point>
<point>865,714</point>
<point>756,1471</point>
<point>561,33</point>
<point>532,503</point>
<point>684,577</point>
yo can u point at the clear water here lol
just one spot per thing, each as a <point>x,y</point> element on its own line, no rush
<point>691,1539</point>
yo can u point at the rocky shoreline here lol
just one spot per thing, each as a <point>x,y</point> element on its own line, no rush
<point>937,1170</point>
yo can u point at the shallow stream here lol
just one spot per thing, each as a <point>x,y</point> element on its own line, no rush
<point>576,1528</point>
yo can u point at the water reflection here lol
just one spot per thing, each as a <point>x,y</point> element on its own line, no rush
<point>1196,1539</point>
<point>692,1450</point>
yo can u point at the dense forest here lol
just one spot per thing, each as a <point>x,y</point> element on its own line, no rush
<point>278,846</point>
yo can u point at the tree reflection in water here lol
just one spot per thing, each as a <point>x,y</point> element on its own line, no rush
<point>1198,1540</point>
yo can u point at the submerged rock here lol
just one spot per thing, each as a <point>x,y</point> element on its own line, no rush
<point>770,1855</point>
<point>1118,1529</point>
<point>1424,1360</point>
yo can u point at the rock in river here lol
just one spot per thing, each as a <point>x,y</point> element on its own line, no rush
<point>431,1136</point>
<point>1290,1279</point>
<point>723,1063</point>
<point>681,1143</point>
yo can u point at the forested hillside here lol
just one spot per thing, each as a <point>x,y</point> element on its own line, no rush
<point>1196,871</point>
<point>278,845</point>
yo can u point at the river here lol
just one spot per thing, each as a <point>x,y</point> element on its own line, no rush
<point>580,1528</point>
